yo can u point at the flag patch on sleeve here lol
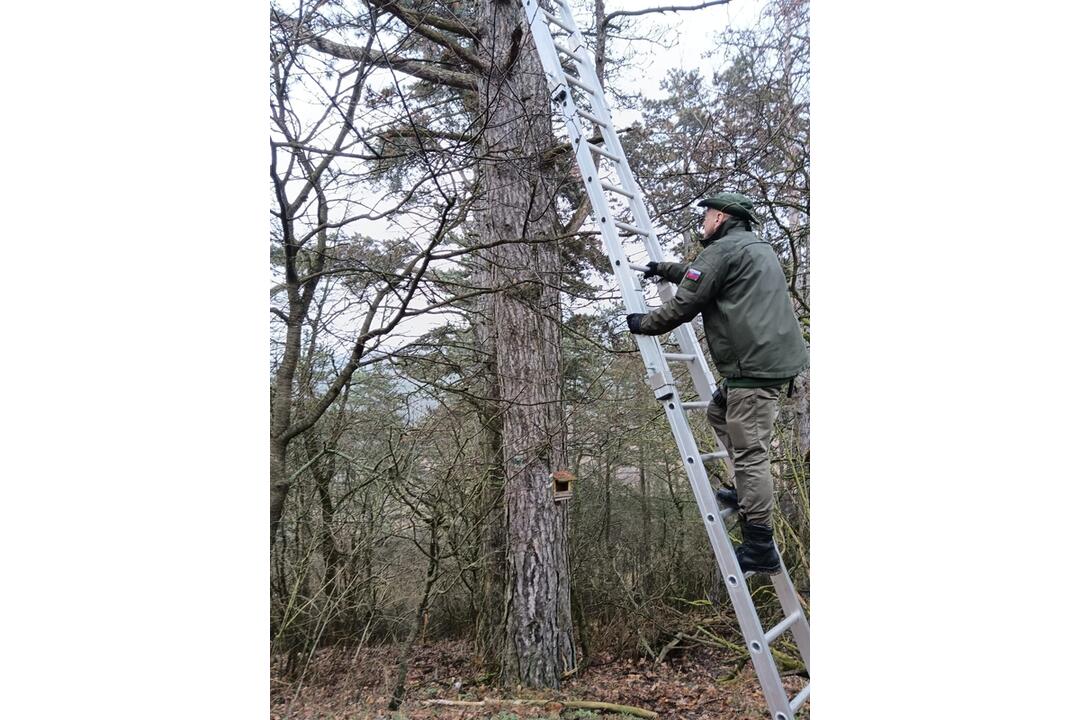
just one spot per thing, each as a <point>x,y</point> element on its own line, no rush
<point>693,274</point>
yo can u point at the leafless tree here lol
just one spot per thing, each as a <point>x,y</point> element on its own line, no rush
<point>415,171</point>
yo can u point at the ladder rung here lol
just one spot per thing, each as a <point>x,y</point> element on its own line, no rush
<point>713,455</point>
<point>630,228</point>
<point>592,118</point>
<point>684,357</point>
<point>696,405</point>
<point>726,512</point>
<point>556,21</point>
<point>799,699</point>
<point>567,51</point>
<point>609,155</point>
<point>577,83</point>
<point>612,188</point>
<point>781,627</point>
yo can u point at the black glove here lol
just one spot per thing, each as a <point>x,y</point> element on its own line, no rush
<point>719,398</point>
<point>633,321</point>
<point>653,270</point>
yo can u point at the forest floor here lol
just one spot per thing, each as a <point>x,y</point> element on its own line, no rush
<point>355,684</point>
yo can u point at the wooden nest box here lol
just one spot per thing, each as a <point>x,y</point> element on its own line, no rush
<point>562,485</point>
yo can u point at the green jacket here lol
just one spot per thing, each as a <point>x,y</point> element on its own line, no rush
<point>738,286</point>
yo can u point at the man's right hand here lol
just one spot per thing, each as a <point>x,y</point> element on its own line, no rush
<point>719,398</point>
<point>652,271</point>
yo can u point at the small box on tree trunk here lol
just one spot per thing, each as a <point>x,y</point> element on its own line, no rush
<point>562,482</point>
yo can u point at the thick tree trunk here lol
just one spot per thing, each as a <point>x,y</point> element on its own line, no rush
<point>519,191</point>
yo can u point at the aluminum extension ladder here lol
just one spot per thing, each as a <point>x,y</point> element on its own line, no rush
<point>569,93</point>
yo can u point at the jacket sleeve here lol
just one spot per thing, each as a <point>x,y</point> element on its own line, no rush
<point>702,281</point>
<point>671,271</point>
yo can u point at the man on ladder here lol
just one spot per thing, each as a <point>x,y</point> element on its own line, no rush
<point>737,285</point>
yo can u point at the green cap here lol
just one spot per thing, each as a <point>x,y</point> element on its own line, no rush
<point>733,204</point>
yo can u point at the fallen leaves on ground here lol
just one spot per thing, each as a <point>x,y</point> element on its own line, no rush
<point>355,684</point>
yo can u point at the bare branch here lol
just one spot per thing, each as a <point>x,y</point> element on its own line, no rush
<point>409,66</point>
<point>442,22</point>
<point>418,22</point>
<point>343,377</point>
<point>669,8</point>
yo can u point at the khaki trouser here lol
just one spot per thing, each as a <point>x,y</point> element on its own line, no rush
<point>746,431</point>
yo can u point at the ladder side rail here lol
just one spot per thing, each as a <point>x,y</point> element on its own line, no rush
<point>703,380</point>
<point>587,69</point>
<point>704,383</point>
<point>660,377</point>
<point>789,601</point>
<point>701,377</point>
<point>745,611</point>
<point>659,374</point>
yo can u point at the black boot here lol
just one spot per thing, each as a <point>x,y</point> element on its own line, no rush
<point>757,552</point>
<point>727,496</point>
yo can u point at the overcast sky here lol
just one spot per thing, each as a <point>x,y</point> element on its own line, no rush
<point>696,31</point>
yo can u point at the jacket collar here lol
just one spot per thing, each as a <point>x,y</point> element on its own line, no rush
<point>725,227</point>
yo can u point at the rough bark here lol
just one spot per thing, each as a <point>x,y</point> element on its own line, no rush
<point>491,625</point>
<point>519,190</point>
<point>802,415</point>
<point>600,56</point>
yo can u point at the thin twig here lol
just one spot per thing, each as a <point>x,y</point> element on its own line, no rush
<point>669,8</point>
